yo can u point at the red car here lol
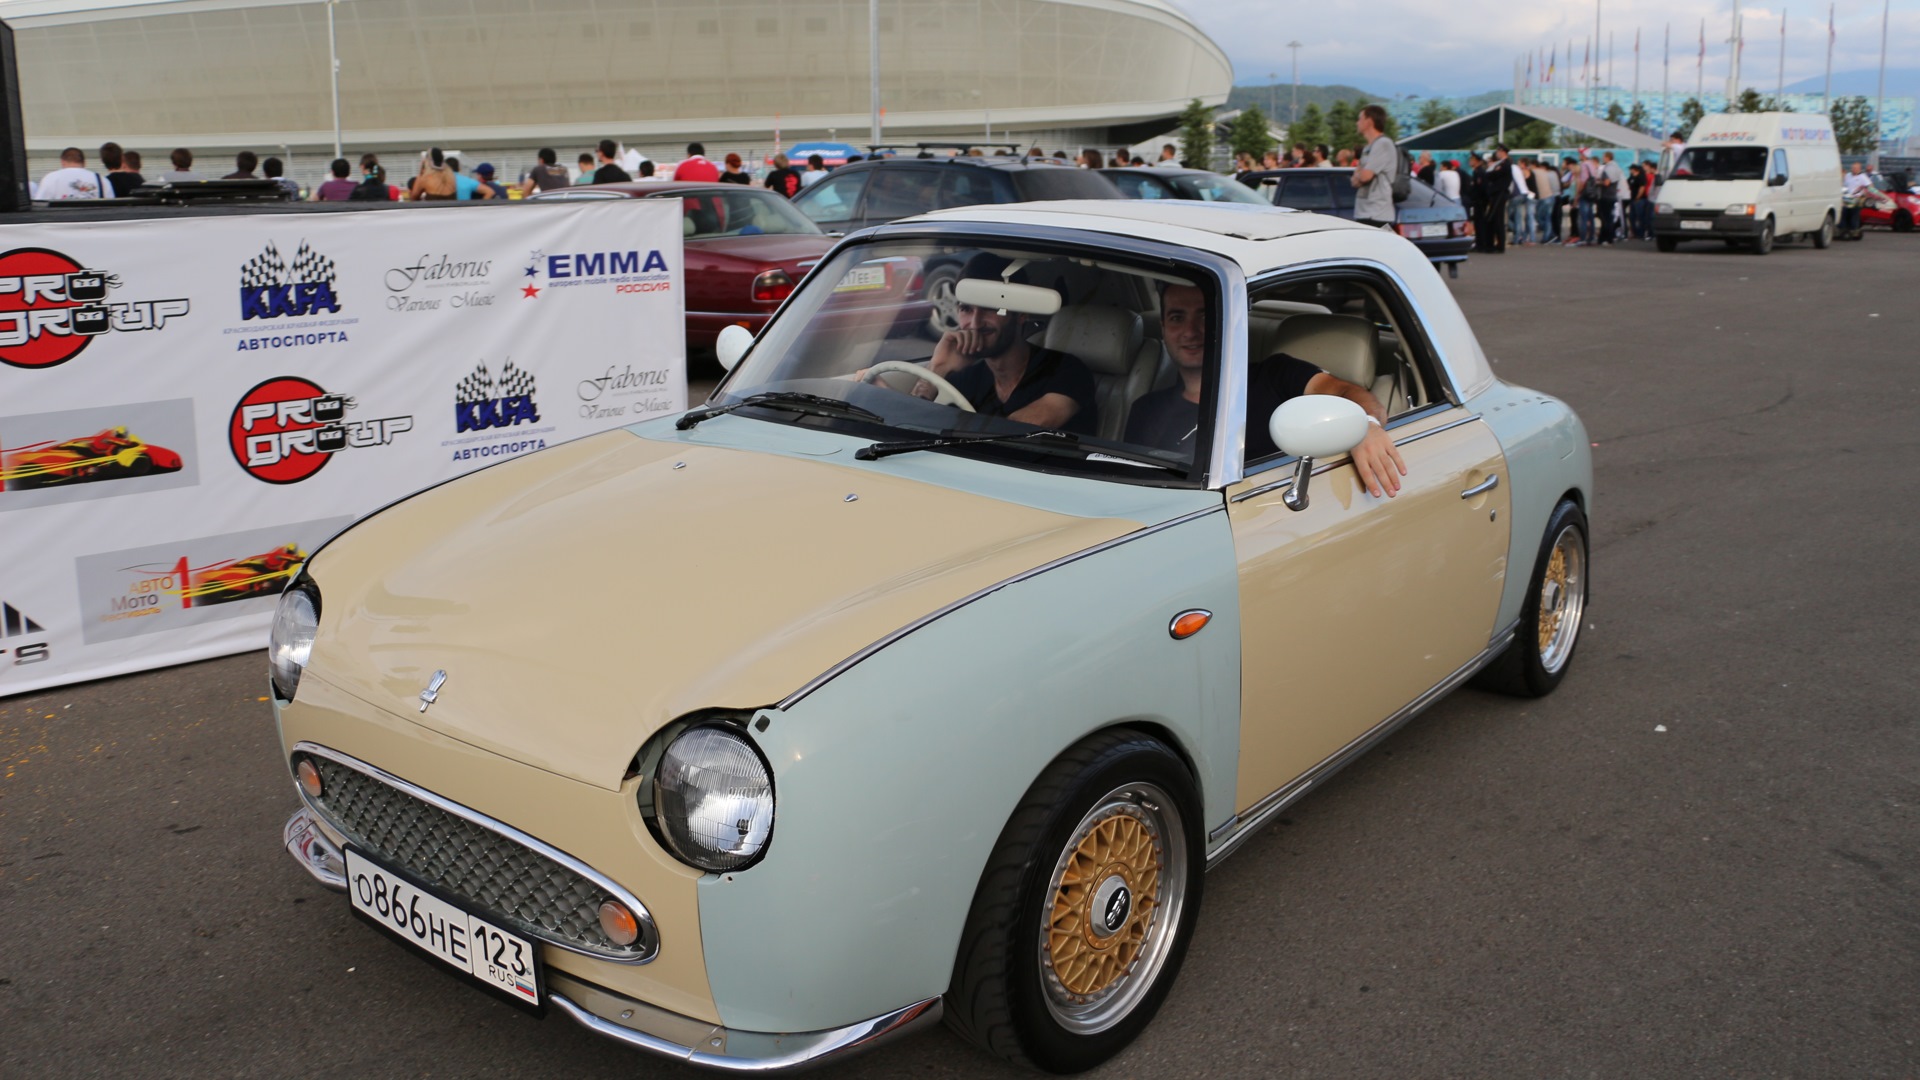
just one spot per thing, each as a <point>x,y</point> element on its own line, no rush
<point>111,454</point>
<point>265,574</point>
<point>746,248</point>
<point>1893,205</point>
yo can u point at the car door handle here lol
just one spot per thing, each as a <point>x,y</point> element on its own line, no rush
<point>1482,487</point>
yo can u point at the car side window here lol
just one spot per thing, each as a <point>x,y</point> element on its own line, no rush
<point>1305,193</point>
<point>832,202</point>
<point>963,187</point>
<point>1136,187</point>
<point>1780,163</point>
<point>900,192</point>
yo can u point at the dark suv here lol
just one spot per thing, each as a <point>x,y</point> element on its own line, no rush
<point>868,193</point>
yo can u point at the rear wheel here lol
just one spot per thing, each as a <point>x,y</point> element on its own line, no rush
<point>1085,909</point>
<point>1763,243</point>
<point>1824,238</point>
<point>1902,221</point>
<point>1551,616</point>
<point>1665,243</point>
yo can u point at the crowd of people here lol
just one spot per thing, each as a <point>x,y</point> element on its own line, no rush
<point>1575,200</point>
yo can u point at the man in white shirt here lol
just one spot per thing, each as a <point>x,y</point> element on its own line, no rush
<point>73,180</point>
<point>1169,157</point>
<point>1857,182</point>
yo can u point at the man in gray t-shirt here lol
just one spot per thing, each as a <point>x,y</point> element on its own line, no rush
<point>1373,173</point>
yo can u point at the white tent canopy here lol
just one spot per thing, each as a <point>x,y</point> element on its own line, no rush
<point>1494,122</point>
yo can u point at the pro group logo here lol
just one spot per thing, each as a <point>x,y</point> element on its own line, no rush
<point>439,282</point>
<point>287,428</point>
<point>18,634</point>
<point>51,308</point>
<point>305,290</point>
<point>631,271</point>
<point>488,412</point>
<point>626,392</point>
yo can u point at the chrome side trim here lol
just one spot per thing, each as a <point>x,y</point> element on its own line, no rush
<point>1342,459</point>
<point>1226,457</point>
<point>657,1031</point>
<point>650,932</point>
<point>1436,429</point>
<point>836,670</point>
<point>1238,828</point>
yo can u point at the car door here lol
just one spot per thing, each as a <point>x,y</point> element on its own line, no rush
<point>1779,193</point>
<point>1354,608</point>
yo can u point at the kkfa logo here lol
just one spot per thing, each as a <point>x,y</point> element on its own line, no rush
<point>271,289</point>
<point>51,308</point>
<point>287,428</point>
<point>482,402</point>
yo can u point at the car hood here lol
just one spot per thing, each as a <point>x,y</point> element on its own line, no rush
<point>580,598</point>
<point>1708,194</point>
<point>783,248</point>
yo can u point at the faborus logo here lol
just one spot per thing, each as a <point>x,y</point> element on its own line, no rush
<point>596,393</point>
<point>287,428</point>
<point>433,282</point>
<point>51,308</point>
<point>270,288</point>
<point>482,401</point>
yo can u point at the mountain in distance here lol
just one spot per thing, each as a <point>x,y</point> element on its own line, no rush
<point>1269,96</point>
<point>1901,82</point>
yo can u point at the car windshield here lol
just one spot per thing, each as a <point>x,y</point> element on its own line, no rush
<point>1721,163</point>
<point>1054,359</point>
<point>740,213</point>
<point>1216,189</point>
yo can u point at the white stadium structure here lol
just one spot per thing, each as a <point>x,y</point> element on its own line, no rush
<point>222,75</point>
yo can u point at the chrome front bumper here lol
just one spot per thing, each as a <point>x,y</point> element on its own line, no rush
<point>648,1027</point>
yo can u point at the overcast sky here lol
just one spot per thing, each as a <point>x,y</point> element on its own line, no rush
<point>1467,46</point>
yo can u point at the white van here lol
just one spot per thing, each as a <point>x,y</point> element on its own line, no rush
<point>1752,178</point>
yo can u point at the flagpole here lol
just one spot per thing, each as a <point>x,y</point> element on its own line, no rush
<point>1666,65</point>
<point>1700,66</point>
<point>1826,91</point>
<point>1593,84</point>
<point>1780,86</point>
<point>1636,68</point>
<point>1880,95</point>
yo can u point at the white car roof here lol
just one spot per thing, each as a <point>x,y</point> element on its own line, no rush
<point>1260,239</point>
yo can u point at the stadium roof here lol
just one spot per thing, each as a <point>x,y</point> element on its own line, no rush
<point>1494,122</point>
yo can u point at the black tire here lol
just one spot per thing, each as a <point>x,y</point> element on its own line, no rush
<point>1763,243</point>
<point>1007,994</point>
<point>1824,238</point>
<point>1529,668</point>
<point>1902,221</point>
<point>939,290</point>
<point>1665,243</point>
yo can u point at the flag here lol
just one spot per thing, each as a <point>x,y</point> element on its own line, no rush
<point>1703,41</point>
<point>1636,43</point>
<point>1529,70</point>
<point>1552,61</point>
<point>1586,61</point>
<point>1830,34</point>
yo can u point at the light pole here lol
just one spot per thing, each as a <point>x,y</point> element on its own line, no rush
<point>873,63</point>
<point>1294,116</point>
<point>333,56</point>
<point>1880,95</point>
<point>1273,95</point>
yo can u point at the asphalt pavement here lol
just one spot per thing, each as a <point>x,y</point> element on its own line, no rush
<point>1698,858</point>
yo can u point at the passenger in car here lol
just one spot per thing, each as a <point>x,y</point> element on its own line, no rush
<point>991,361</point>
<point>1170,419</point>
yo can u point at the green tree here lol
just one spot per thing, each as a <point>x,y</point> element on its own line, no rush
<point>1341,133</point>
<point>1533,135</point>
<point>1637,118</point>
<point>1748,101</point>
<point>1392,130</point>
<point>1691,113</point>
<point>1853,127</point>
<point>1616,114</point>
<point>1196,135</point>
<point>1250,133</point>
<point>1311,129</point>
<point>1435,112</point>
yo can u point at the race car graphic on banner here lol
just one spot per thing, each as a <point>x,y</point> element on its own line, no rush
<point>96,453</point>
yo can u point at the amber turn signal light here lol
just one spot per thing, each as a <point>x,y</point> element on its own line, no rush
<point>1188,623</point>
<point>618,923</point>
<point>309,778</point>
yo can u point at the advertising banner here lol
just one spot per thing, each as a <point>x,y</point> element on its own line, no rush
<point>191,405</point>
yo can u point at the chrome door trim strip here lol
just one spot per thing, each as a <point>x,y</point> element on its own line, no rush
<point>1437,429</point>
<point>836,670</point>
<point>1287,481</point>
<point>1226,457</point>
<point>1237,829</point>
<point>502,829</point>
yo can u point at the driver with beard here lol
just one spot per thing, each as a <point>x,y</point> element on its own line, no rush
<point>991,362</point>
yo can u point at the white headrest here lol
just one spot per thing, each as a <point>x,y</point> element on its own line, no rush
<point>1104,338</point>
<point>1340,345</point>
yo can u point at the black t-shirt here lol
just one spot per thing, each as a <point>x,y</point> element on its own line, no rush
<point>124,183</point>
<point>1048,372</point>
<point>735,178</point>
<point>1166,420</point>
<point>610,174</point>
<point>784,181</point>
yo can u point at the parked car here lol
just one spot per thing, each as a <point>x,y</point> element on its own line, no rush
<point>1893,205</point>
<point>898,708</point>
<point>1201,185</point>
<point>745,249</point>
<point>868,193</point>
<point>1437,225</point>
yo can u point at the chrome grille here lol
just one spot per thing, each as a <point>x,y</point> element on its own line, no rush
<point>493,874</point>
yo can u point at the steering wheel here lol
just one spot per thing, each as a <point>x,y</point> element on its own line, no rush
<point>944,393</point>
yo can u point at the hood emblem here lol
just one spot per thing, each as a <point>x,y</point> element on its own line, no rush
<point>432,693</point>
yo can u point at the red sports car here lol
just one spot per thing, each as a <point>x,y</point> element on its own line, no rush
<point>746,248</point>
<point>1893,205</point>
<point>111,454</point>
<point>241,579</point>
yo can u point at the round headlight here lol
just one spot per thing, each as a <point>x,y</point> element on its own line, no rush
<point>288,647</point>
<point>715,799</point>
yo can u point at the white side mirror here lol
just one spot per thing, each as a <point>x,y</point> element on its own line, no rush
<point>733,343</point>
<point>1314,426</point>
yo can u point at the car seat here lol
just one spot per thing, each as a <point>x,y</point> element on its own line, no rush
<point>1108,340</point>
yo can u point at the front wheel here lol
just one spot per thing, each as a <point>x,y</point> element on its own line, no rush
<point>1824,238</point>
<point>1902,221</point>
<point>1542,646</point>
<point>1763,243</point>
<point>1085,909</point>
<point>1665,243</point>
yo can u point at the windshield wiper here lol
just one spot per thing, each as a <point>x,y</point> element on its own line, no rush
<point>791,400</point>
<point>1050,441</point>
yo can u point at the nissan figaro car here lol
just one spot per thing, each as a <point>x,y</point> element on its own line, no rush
<point>924,679</point>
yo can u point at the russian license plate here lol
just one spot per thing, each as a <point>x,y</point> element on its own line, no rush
<point>1428,232</point>
<point>1696,224</point>
<point>498,959</point>
<point>863,277</point>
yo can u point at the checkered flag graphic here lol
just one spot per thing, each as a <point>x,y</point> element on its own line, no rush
<point>476,387</point>
<point>264,269</point>
<point>309,265</point>
<point>514,382</point>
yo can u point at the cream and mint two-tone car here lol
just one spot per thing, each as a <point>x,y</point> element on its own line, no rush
<point>760,734</point>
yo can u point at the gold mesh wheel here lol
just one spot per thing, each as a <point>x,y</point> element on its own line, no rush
<point>1563,598</point>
